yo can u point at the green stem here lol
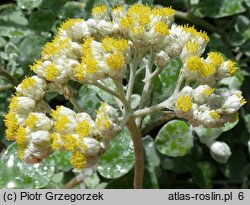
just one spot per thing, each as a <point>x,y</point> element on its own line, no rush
<point>5,87</point>
<point>9,77</point>
<point>138,149</point>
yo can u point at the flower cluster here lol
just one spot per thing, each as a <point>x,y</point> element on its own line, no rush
<point>102,47</point>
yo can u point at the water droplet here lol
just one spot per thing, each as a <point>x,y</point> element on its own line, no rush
<point>11,185</point>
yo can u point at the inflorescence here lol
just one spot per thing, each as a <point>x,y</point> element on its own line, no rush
<point>102,47</point>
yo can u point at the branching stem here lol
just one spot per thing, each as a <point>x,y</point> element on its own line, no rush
<point>139,161</point>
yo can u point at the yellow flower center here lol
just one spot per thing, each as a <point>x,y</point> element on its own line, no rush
<point>161,28</point>
<point>61,123</point>
<point>231,67</point>
<point>78,160</point>
<point>115,61</point>
<point>31,120</point>
<point>214,114</point>
<point>184,103</point>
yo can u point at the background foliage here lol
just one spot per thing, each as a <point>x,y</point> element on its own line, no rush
<point>25,26</point>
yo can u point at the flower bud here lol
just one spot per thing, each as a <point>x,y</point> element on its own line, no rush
<point>92,146</point>
<point>220,151</point>
<point>162,59</point>
<point>32,87</point>
<point>39,137</point>
<point>38,121</point>
<point>201,93</point>
<point>233,103</point>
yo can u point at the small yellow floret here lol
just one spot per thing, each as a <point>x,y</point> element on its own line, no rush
<point>31,120</point>
<point>191,46</point>
<point>215,114</point>
<point>35,65</point>
<point>194,32</point>
<point>13,103</point>
<point>69,142</point>
<point>112,44</point>
<point>242,100</point>
<point>98,10</point>
<point>78,160</point>
<point>127,22</point>
<point>12,126</point>
<point>117,8</point>
<point>161,28</point>
<point>163,12</point>
<point>115,61</point>
<point>137,30</point>
<point>208,91</point>
<point>55,113</point>
<point>138,9</point>
<point>27,82</point>
<point>216,59</point>
<point>61,123</point>
<point>55,144</point>
<point>79,71</point>
<point>231,67</point>
<point>21,137</point>
<point>51,72</point>
<point>103,121</point>
<point>207,70</point>
<point>194,63</point>
<point>184,103</point>
<point>66,25</point>
<point>83,128</point>
<point>89,64</point>
<point>54,47</point>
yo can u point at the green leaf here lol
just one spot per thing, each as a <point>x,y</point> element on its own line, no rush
<point>61,160</point>
<point>186,163</point>
<point>74,10</point>
<point>174,139</point>
<point>165,83</point>
<point>118,159</point>
<point>89,100</point>
<point>203,174</point>
<point>54,6</point>
<point>218,9</point>
<point>207,135</point>
<point>2,42</point>
<point>42,20</point>
<point>217,44</point>
<point>31,47</point>
<point>28,4</point>
<point>242,26</point>
<point>15,173</point>
<point>235,166</point>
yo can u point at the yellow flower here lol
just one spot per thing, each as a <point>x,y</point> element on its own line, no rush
<point>184,103</point>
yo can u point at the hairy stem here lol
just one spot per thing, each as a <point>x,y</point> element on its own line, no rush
<point>70,96</point>
<point>133,66</point>
<point>9,77</point>
<point>74,182</point>
<point>139,161</point>
<point>146,89</point>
